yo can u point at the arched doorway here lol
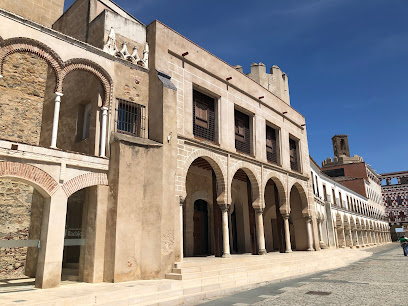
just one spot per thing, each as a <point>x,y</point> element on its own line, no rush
<point>297,221</point>
<point>273,220</point>
<point>244,214</point>
<point>202,230</point>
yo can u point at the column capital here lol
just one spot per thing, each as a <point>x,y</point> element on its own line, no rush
<point>59,94</point>
<point>308,219</point>
<point>285,216</point>
<point>224,206</point>
<point>182,200</point>
<point>259,209</point>
<point>1,76</point>
<point>104,108</point>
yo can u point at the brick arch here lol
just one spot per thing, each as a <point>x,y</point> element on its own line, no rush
<point>22,44</point>
<point>93,68</point>
<point>45,184</point>
<point>281,189</point>
<point>84,180</point>
<point>215,163</point>
<point>255,185</point>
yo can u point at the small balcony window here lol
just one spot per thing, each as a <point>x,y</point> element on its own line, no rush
<point>203,116</point>
<point>242,133</point>
<point>130,118</point>
<point>293,151</point>
<point>271,145</point>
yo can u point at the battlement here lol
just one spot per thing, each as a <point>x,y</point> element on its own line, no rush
<point>276,81</point>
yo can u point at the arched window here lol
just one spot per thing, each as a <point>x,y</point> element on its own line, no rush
<point>399,201</point>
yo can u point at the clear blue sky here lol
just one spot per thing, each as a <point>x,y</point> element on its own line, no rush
<point>347,62</point>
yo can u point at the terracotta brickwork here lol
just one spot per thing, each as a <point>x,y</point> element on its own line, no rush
<point>83,181</point>
<point>43,12</point>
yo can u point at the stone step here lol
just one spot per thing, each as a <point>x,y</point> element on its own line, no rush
<point>225,281</point>
<point>70,271</point>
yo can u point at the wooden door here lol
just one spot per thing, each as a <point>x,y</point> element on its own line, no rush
<point>197,233</point>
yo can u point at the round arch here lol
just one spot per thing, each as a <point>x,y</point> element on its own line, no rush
<point>93,68</point>
<point>215,163</point>
<point>84,180</point>
<point>303,197</point>
<point>32,175</point>
<point>279,186</point>
<point>255,186</point>
<point>22,44</point>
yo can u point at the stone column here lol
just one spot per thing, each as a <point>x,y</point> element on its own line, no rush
<point>350,238</point>
<point>182,200</point>
<point>366,238</point>
<point>309,234</point>
<point>336,236</point>
<point>225,230</point>
<point>343,236</point>
<point>260,235</point>
<point>321,242</point>
<point>356,242</point>
<point>103,131</point>
<point>287,233</point>
<point>49,264</point>
<point>56,118</point>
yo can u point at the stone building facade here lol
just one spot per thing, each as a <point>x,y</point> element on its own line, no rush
<point>395,197</point>
<point>345,217</point>
<point>149,149</point>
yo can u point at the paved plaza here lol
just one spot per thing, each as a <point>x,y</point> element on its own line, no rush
<point>376,280</point>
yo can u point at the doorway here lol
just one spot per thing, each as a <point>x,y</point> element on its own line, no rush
<point>200,229</point>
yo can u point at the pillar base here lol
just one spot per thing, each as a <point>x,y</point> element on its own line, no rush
<point>227,255</point>
<point>310,249</point>
<point>323,245</point>
<point>262,252</point>
<point>288,251</point>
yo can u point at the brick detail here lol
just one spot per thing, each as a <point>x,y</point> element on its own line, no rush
<point>29,173</point>
<point>61,69</point>
<point>95,69</point>
<point>85,180</point>
<point>20,44</point>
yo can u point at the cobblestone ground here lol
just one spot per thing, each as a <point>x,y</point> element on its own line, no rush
<point>376,280</point>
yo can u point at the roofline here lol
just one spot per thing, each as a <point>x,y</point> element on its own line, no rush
<point>156,20</point>
<point>394,173</point>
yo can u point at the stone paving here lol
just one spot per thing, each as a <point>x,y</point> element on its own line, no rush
<point>376,280</point>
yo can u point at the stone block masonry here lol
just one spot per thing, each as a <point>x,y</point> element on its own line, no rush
<point>21,104</point>
<point>41,11</point>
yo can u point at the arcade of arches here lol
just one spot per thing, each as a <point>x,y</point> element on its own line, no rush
<point>245,225</point>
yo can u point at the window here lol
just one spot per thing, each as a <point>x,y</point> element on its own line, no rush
<point>203,116</point>
<point>341,200</point>
<point>293,154</point>
<point>130,118</point>
<point>388,201</point>
<point>242,132</point>
<point>271,145</point>
<point>317,186</point>
<point>334,197</point>
<point>399,201</point>
<point>324,192</point>
<point>83,121</point>
<point>87,121</point>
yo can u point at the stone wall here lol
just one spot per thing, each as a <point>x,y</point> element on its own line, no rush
<point>16,202</point>
<point>21,102</point>
<point>21,97</point>
<point>44,12</point>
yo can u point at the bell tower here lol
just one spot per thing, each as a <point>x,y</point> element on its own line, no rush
<point>340,145</point>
